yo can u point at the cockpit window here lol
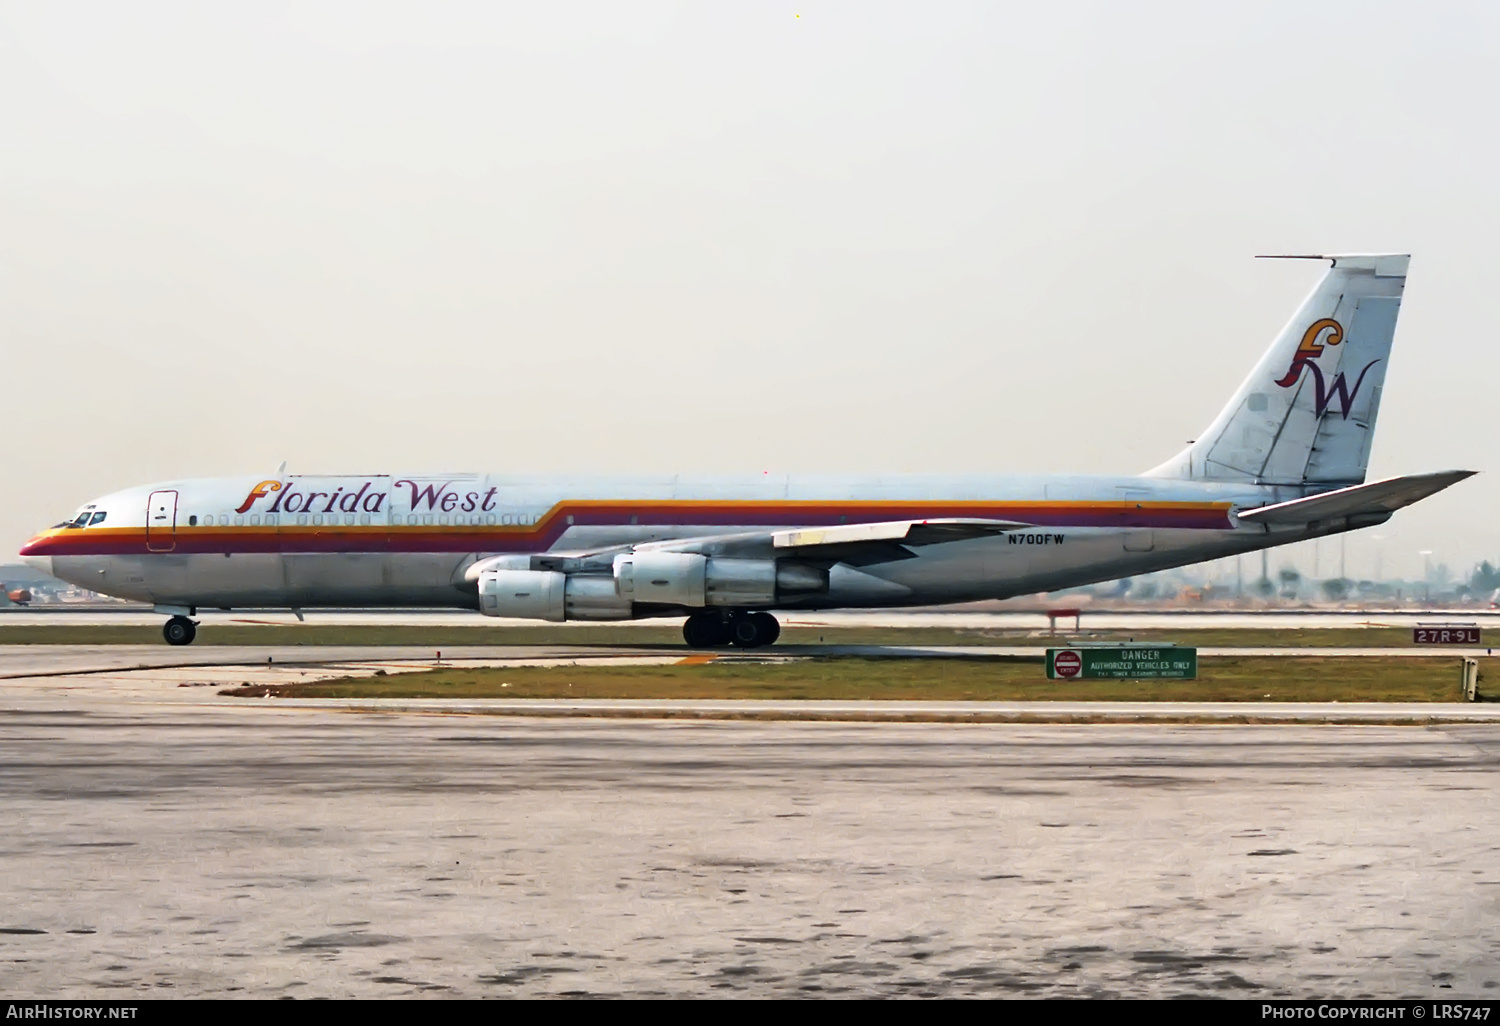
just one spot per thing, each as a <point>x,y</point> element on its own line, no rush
<point>82,520</point>
<point>98,518</point>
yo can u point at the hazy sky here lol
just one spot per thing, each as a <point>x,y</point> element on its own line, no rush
<point>717,237</point>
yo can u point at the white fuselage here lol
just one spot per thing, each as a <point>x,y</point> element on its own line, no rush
<point>407,540</point>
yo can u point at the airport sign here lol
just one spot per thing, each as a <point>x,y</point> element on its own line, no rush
<point>1445,634</point>
<point>1123,662</point>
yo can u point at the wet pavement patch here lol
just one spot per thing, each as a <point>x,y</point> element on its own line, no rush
<point>103,844</point>
<point>523,973</point>
<point>352,939</point>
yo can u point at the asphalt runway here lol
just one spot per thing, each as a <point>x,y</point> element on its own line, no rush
<point>161,839</point>
<point>270,851</point>
<point>955,618</point>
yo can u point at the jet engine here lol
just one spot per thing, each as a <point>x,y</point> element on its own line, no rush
<point>550,595</point>
<point>650,578</point>
<point>687,579</point>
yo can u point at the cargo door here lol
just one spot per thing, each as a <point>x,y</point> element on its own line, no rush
<point>161,521</point>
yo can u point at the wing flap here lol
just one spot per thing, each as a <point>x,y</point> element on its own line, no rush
<point>906,532</point>
<point>1379,497</point>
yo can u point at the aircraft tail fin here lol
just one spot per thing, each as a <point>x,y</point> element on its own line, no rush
<point>1306,414</point>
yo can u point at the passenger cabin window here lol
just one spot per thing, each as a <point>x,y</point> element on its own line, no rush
<point>193,521</point>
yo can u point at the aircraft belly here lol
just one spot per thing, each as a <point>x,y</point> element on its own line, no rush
<point>1118,554</point>
<point>247,580</point>
<point>959,570</point>
<point>1022,563</point>
<point>373,578</point>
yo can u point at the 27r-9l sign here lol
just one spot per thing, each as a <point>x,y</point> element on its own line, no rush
<point>1445,634</point>
<point>1127,662</point>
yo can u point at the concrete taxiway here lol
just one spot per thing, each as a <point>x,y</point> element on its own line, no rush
<point>163,839</point>
<point>262,850</point>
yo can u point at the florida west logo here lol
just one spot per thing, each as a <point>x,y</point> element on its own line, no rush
<point>1319,334</point>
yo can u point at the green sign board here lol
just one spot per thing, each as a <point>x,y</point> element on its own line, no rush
<point>1124,662</point>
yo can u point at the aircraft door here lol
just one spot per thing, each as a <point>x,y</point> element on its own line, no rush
<point>161,522</point>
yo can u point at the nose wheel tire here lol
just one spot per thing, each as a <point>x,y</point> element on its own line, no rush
<point>179,631</point>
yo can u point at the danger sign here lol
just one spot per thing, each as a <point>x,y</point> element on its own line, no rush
<point>1067,664</point>
<point>1122,662</point>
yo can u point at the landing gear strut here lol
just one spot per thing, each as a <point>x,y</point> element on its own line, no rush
<point>179,631</point>
<point>743,630</point>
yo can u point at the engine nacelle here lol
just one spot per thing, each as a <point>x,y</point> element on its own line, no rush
<point>550,595</point>
<point>668,578</point>
<point>524,594</point>
<point>651,578</point>
<point>688,579</point>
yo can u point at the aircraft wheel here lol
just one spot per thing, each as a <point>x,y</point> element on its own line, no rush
<point>770,629</point>
<point>705,630</point>
<point>180,631</point>
<point>752,630</point>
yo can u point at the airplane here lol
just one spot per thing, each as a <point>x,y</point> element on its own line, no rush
<point>20,596</point>
<point>1283,462</point>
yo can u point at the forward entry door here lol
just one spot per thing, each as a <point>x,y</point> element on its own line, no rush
<point>161,522</point>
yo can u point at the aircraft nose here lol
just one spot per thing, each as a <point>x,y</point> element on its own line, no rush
<point>42,563</point>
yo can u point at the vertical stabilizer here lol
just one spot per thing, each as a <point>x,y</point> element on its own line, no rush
<point>1306,415</point>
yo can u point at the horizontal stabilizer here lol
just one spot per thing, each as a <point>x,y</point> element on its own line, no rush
<point>907,532</point>
<point>1380,497</point>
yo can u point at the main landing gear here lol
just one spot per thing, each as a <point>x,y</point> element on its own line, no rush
<point>180,631</point>
<point>743,630</point>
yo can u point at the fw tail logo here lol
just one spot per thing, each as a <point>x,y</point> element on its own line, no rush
<point>1306,356</point>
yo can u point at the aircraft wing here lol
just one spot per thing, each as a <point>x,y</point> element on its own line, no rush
<point>1380,498</point>
<point>907,532</point>
<point>854,544</point>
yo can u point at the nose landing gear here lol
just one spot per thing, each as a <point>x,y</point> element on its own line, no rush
<point>743,630</point>
<point>179,631</point>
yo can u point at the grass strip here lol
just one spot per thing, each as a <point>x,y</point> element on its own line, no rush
<point>1223,679</point>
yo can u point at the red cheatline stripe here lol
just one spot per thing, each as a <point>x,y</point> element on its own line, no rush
<point>548,528</point>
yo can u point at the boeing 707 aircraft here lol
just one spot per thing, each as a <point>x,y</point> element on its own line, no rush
<point>1283,462</point>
